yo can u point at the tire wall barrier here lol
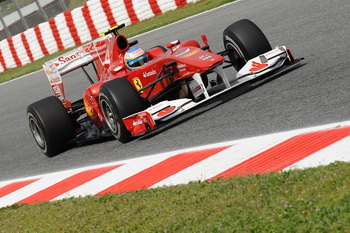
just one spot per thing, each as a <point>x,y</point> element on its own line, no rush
<point>80,25</point>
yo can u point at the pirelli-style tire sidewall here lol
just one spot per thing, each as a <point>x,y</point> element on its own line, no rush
<point>245,40</point>
<point>51,126</point>
<point>119,99</point>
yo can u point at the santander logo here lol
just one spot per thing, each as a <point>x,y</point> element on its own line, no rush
<point>150,73</point>
<point>257,66</point>
<point>62,60</point>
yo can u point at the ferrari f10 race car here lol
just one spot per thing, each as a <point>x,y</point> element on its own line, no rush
<point>134,90</point>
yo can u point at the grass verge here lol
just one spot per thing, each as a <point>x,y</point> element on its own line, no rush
<point>144,26</point>
<point>75,4</point>
<point>311,200</point>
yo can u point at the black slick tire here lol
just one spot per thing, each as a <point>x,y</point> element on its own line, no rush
<point>51,125</point>
<point>244,40</point>
<point>119,99</point>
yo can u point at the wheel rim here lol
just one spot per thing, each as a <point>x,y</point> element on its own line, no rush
<point>238,61</point>
<point>37,132</point>
<point>110,117</point>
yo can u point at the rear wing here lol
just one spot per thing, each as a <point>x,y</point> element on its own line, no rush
<point>93,52</point>
<point>85,54</point>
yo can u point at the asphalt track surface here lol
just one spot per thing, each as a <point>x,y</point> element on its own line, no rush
<point>316,93</point>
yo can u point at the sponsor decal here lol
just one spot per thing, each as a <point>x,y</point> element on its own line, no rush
<point>166,111</point>
<point>273,52</point>
<point>64,59</point>
<point>196,88</point>
<point>98,46</point>
<point>137,83</point>
<point>205,57</point>
<point>150,73</point>
<point>52,73</point>
<point>137,122</point>
<point>100,43</point>
<point>181,67</point>
<point>135,54</point>
<point>257,66</point>
<point>154,108</point>
<point>56,89</point>
<point>88,109</point>
<point>189,54</point>
<point>55,80</point>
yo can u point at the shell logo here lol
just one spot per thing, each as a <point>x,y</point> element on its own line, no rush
<point>88,109</point>
<point>190,53</point>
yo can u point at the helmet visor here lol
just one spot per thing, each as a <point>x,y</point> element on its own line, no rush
<point>139,61</point>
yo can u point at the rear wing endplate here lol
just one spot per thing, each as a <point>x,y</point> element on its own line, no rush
<point>72,60</point>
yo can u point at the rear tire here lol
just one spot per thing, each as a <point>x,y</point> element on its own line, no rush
<point>245,41</point>
<point>51,125</point>
<point>119,99</point>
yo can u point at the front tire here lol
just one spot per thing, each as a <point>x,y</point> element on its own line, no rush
<point>119,99</point>
<point>51,125</point>
<point>244,40</point>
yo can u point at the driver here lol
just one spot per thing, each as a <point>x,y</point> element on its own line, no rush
<point>135,58</point>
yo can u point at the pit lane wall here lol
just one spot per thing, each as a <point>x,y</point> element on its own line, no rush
<point>83,24</point>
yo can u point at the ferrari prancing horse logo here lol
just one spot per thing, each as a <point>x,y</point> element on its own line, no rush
<point>137,83</point>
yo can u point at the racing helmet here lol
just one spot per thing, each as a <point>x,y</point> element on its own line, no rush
<point>135,58</point>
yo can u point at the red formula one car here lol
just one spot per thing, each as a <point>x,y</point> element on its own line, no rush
<point>136,89</point>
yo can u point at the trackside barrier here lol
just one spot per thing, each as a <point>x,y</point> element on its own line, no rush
<point>72,28</point>
<point>269,153</point>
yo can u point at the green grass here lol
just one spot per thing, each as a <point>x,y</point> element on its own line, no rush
<point>312,200</point>
<point>130,31</point>
<point>75,3</point>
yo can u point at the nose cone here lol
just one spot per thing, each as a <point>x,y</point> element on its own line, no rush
<point>199,58</point>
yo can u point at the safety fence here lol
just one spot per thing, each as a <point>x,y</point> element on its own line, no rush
<point>72,28</point>
<point>16,16</point>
